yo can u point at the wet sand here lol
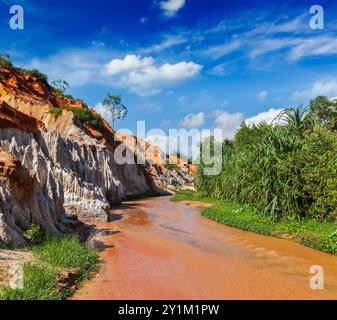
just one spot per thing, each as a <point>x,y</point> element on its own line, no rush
<point>157,249</point>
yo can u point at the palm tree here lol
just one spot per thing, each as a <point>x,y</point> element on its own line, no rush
<point>296,118</point>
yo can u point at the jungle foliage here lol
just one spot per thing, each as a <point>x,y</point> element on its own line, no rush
<point>284,169</point>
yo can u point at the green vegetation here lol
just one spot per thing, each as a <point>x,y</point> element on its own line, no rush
<point>68,252</point>
<point>81,114</point>
<point>38,74</point>
<point>55,111</point>
<point>40,283</point>
<point>113,105</point>
<point>189,195</point>
<point>5,61</point>
<point>35,233</point>
<point>52,256</point>
<point>86,115</point>
<point>307,231</point>
<point>60,87</point>
<point>283,170</point>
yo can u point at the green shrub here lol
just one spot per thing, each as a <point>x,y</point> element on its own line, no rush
<point>55,111</point>
<point>80,114</point>
<point>35,233</point>
<point>86,115</point>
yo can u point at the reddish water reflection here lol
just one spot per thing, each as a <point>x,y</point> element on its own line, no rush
<point>165,250</point>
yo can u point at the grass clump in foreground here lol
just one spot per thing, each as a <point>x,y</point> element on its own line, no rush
<point>53,255</point>
<point>321,235</point>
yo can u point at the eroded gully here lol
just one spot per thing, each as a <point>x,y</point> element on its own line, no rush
<point>157,249</point>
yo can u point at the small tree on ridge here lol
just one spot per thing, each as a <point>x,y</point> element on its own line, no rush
<point>113,105</point>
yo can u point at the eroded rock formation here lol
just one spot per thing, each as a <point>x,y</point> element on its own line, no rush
<point>53,167</point>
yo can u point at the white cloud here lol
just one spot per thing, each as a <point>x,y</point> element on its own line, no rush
<point>150,79</point>
<point>267,116</point>
<point>263,95</point>
<point>78,67</point>
<point>228,122</point>
<point>219,51</point>
<point>291,38</point>
<point>328,89</point>
<point>171,7</point>
<point>318,46</point>
<point>296,25</point>
<point>193,120</point>
<point>168,42</point>
<point>129,63</point>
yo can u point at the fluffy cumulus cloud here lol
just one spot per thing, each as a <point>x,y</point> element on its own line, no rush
<point>193,120</point>
<point>228,122</point>
<point>143,77</point>
<point>328,88</point>
<point>129,63</point>
<point>267,117</point>
<point>171,7</point>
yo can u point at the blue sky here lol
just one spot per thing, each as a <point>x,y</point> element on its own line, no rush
<point>180,63</point>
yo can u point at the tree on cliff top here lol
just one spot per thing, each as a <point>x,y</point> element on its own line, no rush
<point>113,105</point>
<point>5,60</point>
<point>60,86</point>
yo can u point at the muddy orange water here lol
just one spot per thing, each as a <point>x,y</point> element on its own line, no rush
<point>157,249</point>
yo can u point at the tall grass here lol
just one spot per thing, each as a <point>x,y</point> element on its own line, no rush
<point>53,255</point>
<point>283,170</point>
<point>68,252</point>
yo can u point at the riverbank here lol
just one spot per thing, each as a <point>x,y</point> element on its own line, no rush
<point>321,235</point>
<point>52,269</point>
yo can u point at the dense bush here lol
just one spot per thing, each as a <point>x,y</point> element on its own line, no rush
<point>35,233</point>
<point>86,115</point>
<point>55,111</point>
<point>283,170</point>
<point>81,114</point>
